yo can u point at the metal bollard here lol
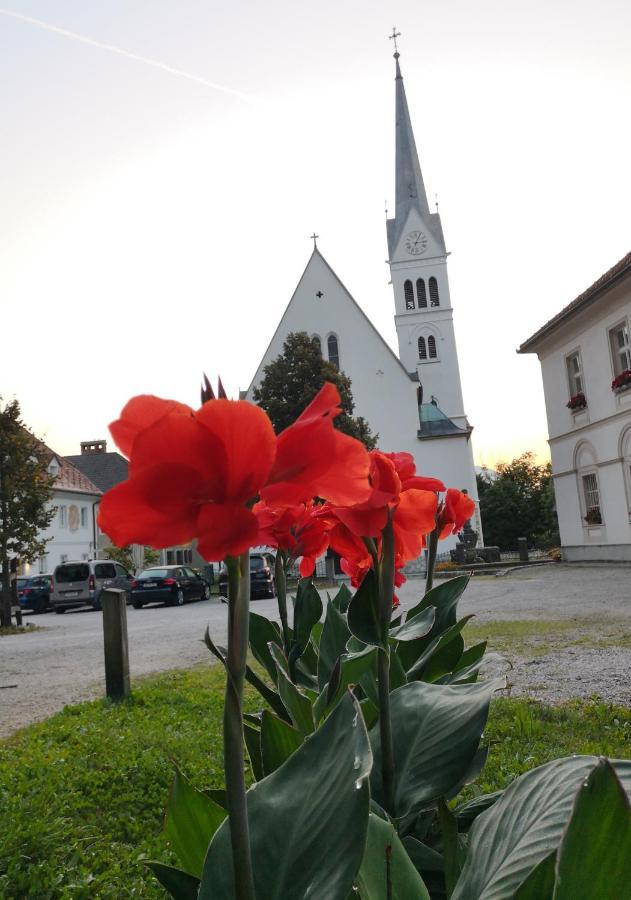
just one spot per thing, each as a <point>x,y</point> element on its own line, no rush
<point>114,604</point>
<point>522,546</point>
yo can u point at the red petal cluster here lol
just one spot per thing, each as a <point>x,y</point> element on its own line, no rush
<point>456,509</point>
<point>196,473</point>
<point>295,529</point>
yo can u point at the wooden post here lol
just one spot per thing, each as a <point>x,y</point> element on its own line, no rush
<point>114,605</point>
<point>522,546</point>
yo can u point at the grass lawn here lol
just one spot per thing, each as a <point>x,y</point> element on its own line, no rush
<point>538,637</point>
<point>82,794</point>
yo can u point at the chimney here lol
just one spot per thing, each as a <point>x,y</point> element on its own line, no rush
<point>93,447</point>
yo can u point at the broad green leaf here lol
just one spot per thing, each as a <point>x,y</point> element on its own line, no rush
<point>423,857</point>
<point>252,737</point>
<point>416,627</point>
<point>333,640</point>
<point>278,741</point>
<point>475,767</point>
<point>467,813</point>
<point>436,732</point>
<point>594,859</point>
<point>219,652</point>
<point>316,634</point>
<point>397,673</point>
<point>298,705</point>
<point>444,659</point>
<point>436,644</point>
<point>308,819</point>
<point>540,882</point>
<point>469,664</point>
<point>524,826</point>
<point>342,598</point>
<point>191,820</point>
<point>369,712</point>
<point>267,693</point>
<point>385,857</point>
<point>362,613</point>
<point>352,667</point>
<point>444,597</point>
<point>179,884</point>
<point>307,611</point>
<point>262,633</point>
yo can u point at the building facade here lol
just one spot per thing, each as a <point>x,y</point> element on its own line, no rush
<point>585,355</point>
<point>413,400</point>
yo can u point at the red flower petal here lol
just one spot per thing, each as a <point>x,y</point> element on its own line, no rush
<point>139,413</point>
<point>156,508</point>
<point>249,443</point>
<point>424,484</point>
<point>415,517</point>
<point>225,529</point>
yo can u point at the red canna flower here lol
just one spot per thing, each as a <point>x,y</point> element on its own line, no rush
<point>196,473</point>
<point>456,509</point>
<point>295,529</point>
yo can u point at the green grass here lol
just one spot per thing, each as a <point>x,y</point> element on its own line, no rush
<point>14,629</point>
<point>538,637</point>
<point>82,794</point>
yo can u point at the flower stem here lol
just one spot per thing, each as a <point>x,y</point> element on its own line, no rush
<point>280,577</point>
<point>238,625</point>
<point>386,594</point>
<point>432,546</point>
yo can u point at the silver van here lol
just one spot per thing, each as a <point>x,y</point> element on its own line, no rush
<point>80,583</point>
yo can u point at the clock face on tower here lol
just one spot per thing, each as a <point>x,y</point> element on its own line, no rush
<point>416,243</point>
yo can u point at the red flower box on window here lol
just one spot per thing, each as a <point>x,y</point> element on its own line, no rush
<point>622,381</point>
<point>578,401</point>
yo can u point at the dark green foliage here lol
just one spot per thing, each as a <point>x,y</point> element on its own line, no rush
<point>519,503</point>
<point>293,379</point>
<point>25,492</point>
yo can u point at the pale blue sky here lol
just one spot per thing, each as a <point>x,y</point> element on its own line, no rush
<point>152,226</point>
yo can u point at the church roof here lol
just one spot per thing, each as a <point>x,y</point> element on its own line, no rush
<point>105,470</point>
<point>316,254</point>
<point>621,270</point>
<point>434,423</point>
<point>409,186</point>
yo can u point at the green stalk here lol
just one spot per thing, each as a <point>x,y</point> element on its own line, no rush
<point>280,576</point>
<point>386,594</point>
<point>432,546</point>
<point>233,741</point>
<point>449,828</point>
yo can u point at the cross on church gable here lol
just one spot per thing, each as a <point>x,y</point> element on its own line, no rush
<point>319,294</point>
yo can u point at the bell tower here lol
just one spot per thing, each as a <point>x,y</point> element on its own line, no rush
<point>418,269</point>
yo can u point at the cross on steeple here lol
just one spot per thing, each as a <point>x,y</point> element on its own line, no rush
<point>314,237</point>
<point>393,37</point>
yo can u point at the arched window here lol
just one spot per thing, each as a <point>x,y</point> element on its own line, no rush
<point>409,294</point>
<point>431,346</point>
<point>433,292</point>
<point>422,350</point>
<point>316,340</point>
<point>421,294</point>
<point>334,353</point>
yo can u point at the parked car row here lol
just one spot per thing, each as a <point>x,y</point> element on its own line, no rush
<point>79,584</point>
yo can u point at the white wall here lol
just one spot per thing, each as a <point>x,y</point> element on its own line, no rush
<point>72,539</point>
<point>590,440</point>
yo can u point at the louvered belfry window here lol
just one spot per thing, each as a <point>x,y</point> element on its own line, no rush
<point>433,292</point>
<point>422,349</point>
<point>421,293</point>
<point>334,353</point>
<point>408,290</point>
<point>431,346</point>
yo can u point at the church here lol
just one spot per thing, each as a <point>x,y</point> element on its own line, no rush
<point>413,400</point>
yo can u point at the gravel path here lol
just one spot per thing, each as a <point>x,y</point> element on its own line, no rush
<point>62,664</point>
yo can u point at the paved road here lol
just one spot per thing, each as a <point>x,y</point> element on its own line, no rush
<point>63,663</point>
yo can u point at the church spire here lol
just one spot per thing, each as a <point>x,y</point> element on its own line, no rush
<point>410,190</point>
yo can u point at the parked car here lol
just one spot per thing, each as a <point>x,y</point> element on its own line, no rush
<point>172,585</point>
<point>262,583</point>
<point>34,592</point>
<point>78,584</point>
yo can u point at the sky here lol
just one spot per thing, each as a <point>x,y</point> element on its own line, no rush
<point>163,163</point>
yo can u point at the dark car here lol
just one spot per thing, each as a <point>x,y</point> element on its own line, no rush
<point>34,592</point>
<point>262,583</point>
<point>172,585</point>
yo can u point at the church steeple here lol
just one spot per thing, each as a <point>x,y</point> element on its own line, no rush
<point>410,190</point>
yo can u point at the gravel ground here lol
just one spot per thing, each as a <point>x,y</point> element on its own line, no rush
<point>62,663</point>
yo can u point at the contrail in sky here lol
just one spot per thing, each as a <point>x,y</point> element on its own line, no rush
<point>135,56</point>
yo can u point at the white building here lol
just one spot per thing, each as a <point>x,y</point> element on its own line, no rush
<point>413,400</point>
<point>583,350</point>
<point>73,530</point>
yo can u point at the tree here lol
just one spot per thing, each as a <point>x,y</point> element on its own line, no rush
<point>519,503</point>
<point>292,380</point>
<point>25,495</point>
<point>123,555</point>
